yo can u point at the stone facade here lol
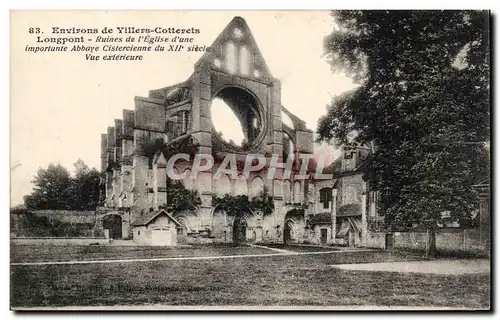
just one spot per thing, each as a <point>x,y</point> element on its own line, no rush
<point>340,210</point>
<point>134,183</point>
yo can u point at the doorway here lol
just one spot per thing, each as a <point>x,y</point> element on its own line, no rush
<point>287,234</point>
<point>324,236</point>
<point>114,224</point>
<point>239,230</point>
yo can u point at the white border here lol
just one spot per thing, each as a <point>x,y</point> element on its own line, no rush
<point>186,4</point>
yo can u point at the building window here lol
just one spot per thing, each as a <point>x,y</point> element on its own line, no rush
<point>325,197</point>
<point>349,155</point>
<point>178,124</point>
<point>244,61</point>
<point>180,231</point>
<point>138,233</point>
<point>230,57</point>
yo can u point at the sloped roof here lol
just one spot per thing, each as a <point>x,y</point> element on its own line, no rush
<point>334,167</point>
<point>321,218</point>
<point>347,210</point>
<point>146,218</point>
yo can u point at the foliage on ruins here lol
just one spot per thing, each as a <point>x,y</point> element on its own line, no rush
<point>181,199</point>
<point>150,148</point>
<point>423,101</point>
<point>55,188</point>
<point>298,211</point>
<point>240,204</point>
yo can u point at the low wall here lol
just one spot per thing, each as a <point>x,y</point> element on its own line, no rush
<point>374,240</point>
<point>52,223</point>
<point>450,240</point>
<point>60,241</point>
<point>68,216</point>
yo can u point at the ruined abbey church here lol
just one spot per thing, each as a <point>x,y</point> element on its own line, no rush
<point>134,184</point>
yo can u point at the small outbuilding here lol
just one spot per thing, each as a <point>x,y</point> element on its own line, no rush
<point>156,228</point>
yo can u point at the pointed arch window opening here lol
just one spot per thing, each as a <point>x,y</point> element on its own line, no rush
<point>230,57</point>
<point>244,60</point>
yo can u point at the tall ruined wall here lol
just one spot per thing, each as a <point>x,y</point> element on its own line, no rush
<point>235,71</point>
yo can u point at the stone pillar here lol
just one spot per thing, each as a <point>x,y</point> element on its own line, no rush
<point>364,224</point>
<point>140,197</point>
<point>116,187</point>
<point>160,182</point>
<point>127,157</point>
<point>279,214</point>
<point>126,230</point>
<point>109,188</point>
<point>110,155</point>
<point>258,229</point>
<point>202,131</point>
<point>275,133</point>
<point>118,140</point>
<point>98,227</point>
<point>126,185</point>
<point>334,214</point>
<point>104,152</point>
<point>485,221</point>
<point>204,187</point>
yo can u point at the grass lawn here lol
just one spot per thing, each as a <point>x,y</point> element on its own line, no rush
<point>34,253</point>
<point>273,281</point>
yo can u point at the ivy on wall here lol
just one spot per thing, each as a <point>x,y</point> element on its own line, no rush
<point>179,198</point>
<point>185,145</point>
<point>237,205</point>
<point>298,211</point>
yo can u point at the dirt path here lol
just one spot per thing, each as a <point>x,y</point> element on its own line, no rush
<point>450,267</point>
<point>269,248</point>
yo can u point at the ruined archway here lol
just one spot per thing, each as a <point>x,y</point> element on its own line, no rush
<point>288,232</point>
<point>113,223</point>
<point>234,72</point>
<point>184,219</point>
<point>293,226</point>
<point>219,223</point>
<point>240,226</point>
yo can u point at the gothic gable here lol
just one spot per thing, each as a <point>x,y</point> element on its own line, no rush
<point>235,51</point>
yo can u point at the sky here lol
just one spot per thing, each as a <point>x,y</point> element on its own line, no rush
<point>61,103</point>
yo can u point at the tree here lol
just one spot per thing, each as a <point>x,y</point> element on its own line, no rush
<point>50,190</point>
<point>423,102</point>
<point>55,188</point>
<point>84,188</point>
